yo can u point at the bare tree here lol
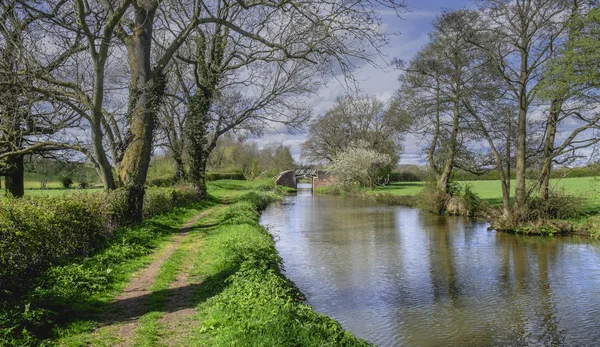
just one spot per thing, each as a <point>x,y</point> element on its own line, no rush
<point>434,85</point>
<point>275,66</point>
<point>570,85</point>
<point>354,118</point>
<point>30,122</point>
<point>316,31</point>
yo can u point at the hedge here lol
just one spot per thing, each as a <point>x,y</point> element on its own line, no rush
<point>216,176</point>
<point>39,232</point>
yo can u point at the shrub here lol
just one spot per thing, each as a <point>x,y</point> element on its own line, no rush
<point>37,233</point>
<point>545,217</point>
<point>473,204</point>
<point>458,200</point>
<point>433,199</point>
<point>404,177</point>
<point>360,165</point>
<point>216,176</point>
<point>84,185</point>
<point>558,205</point>
<point>67,182</point>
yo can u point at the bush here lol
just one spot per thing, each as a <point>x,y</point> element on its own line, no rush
<point>37,233</point>
<point>360,165</point>
<point>544,217</point>
<point>458,200</point>
<point>433,199</point>
<point>67,182</point>
<point>216,176</point>
<point>404,177</point>
<point>473,204</point>
<point>559,205</point>
<point>84,185</point>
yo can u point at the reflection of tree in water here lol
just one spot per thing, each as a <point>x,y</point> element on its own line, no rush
<point>525,287</point>
<point>441,257</point>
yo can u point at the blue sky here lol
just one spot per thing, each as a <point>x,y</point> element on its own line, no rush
<point>413,28</point>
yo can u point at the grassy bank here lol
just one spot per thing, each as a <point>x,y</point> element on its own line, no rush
<point>224,276</point>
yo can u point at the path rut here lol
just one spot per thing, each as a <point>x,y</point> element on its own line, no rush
<point>129,304</point>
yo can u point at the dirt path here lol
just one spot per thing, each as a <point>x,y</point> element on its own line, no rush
<point>130,304</point>
<point>177,318</point>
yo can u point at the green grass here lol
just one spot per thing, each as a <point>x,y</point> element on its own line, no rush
<point>245,300</point>
<point>54,186</point>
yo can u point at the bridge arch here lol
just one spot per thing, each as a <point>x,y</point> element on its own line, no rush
<point>319,177</point>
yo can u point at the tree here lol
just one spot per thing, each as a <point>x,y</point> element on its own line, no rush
<point>276,158</point>
<point>279,71</point>
<point>433,87</point>
<point>570,84</point>
<point>360,164</point>
<point>30,122</point>
<point>315,31</point>
<point>520,38</point>
<point>354,118</point>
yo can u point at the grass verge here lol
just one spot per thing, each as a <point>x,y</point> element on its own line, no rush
<point>245,299</point>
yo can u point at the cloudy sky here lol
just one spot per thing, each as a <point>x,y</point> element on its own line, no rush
<point>413,28</point>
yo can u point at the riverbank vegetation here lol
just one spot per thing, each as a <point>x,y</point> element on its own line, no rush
<point>232,273</point>
<point>574,205</point>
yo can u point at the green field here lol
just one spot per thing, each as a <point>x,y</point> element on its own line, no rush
<point>53,186</point>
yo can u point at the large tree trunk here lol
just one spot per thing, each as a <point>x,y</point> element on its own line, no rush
<point>548,152</point>
<point>520,206</point>
<point>96,126</point>
<point>145,92</point>
<point>196,139</point>
<point>444,177</point>
<point>506,178</point>
<point>14,179</point>
<point>180,173</point>
<point>436,133</point>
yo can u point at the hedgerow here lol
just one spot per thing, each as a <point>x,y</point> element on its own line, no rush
<point>37,233</point>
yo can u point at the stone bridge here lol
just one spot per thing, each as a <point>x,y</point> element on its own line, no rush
<point>320,178</point>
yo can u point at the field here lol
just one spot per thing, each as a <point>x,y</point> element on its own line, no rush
<point>587,188</point>
<point>53,186</point>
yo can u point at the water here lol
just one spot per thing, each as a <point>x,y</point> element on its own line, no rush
<point>400,276</point>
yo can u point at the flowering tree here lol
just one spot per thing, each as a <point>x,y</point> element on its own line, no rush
<point>360,165</point>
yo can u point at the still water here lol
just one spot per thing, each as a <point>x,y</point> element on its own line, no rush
<point>400,276</point>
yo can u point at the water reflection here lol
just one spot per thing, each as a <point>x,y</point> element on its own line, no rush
<point>395,275</point>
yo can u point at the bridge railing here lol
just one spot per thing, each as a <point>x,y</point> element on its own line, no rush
<point>306,172</point>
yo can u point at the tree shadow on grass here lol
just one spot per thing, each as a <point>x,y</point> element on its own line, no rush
<point>125,310</point>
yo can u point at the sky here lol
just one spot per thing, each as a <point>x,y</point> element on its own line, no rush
<point>413,28</point>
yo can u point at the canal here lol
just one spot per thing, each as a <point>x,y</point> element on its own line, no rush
<point>400,276</point>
